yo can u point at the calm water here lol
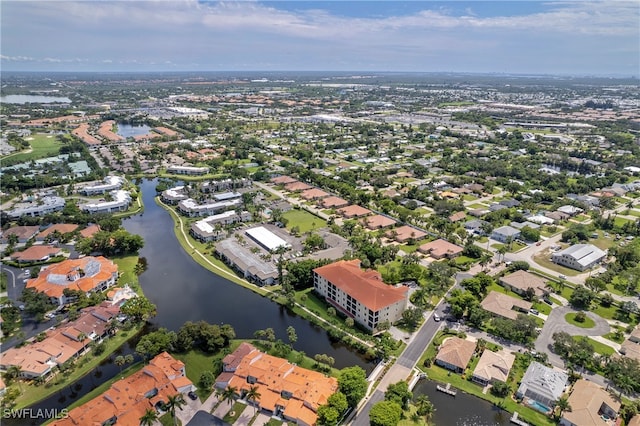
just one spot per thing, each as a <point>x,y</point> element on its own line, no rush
<point>461,410</point>
<point>35,99</point>
<point>184,291</point>
<point>128,130</point>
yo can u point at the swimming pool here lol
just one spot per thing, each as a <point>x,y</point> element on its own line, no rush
<point>538,406</point>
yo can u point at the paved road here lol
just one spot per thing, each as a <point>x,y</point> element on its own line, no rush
<point>556,323</point>
<point>403,366</point>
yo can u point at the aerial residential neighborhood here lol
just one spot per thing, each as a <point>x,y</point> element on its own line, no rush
<point>320,213</point>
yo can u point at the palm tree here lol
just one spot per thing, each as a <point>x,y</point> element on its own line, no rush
<point>563,405</point>
<point>424,406</point>
<point>119,361</point>
<point>253,395</point>
<point>229,394</point>
<point>149,418</point>
<point>173,402</point>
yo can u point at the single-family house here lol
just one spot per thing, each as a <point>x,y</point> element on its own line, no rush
<point>493,366</point>
<point>505,234</point>
<point>590,405</point>
<point>455,353</point>
<point>378,222</point>
<point>353,211</point>
<point>520,281</point>
<point>406,233</point>
<point>542,384</point>
<point>504,306</point>
<point>440,248</point>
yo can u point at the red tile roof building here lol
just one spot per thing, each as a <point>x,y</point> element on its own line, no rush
<point>441,248</point>
<point>405,233</point>
<point>88,274</point>
<point>61,228</point>
<point>291,392</point>
<point>354,211</point>
<point>36,254</point>
<point>378,222</point>
<point>360,294</point>
<point>128,399</point>
<point>333,202</point>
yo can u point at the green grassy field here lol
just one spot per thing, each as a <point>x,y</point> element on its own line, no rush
<point>42,146</point>
<point>571,319</point>
<point>598,347</point>
<point>304,220</point>
<point>542,259</point>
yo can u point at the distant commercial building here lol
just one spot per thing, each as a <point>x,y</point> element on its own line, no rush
<point>579,256</point>
<point>360,294</point>
<point>187,170</point>
<point>267,239</point>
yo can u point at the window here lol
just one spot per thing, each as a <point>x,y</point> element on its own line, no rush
<point>286,394</point>
<point>251,380</point>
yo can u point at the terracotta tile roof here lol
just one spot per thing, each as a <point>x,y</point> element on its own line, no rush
<point>90,230</point>
<point>440,248</point>
<point>523,280</point>
<point>457,216</point>
<point>35,253</point>
<point>502,305</point>
<point>635,421</point>
<point>404,233</point>
<point>62,228</point>
<point>296,186</point>
<point>232,360</point>
<point>586,399</point>
<point>127,399</point>
<point>354,211</point>
<point>55,278</point>
<point>314,193</point>
<point>283,180</point>
<point>378,221</point>
<point>456,351</point>
<point>366,287</point>
<point>299,391</point>
<point>331,202</point>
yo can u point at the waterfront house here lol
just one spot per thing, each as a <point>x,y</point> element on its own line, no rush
<point>493,366</point>
<point>22,233</point>
<point>590,406</point>
<point>455,353</point>
<point>542,384</point>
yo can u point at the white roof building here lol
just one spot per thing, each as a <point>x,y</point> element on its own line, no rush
<point>579,256</point>
<point>266,238</point>
<point>109,183</point>
<point>542,384</point>
<point>120,202</point>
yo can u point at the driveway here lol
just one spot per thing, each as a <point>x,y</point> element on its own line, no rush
<point>556,323</point>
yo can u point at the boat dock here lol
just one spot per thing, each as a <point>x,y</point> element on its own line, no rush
<point>515,420</point>
<point>447,389</point>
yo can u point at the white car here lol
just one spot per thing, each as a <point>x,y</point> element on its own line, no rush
<point>436,317</point>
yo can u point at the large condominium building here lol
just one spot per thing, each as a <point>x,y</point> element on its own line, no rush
<point>119,202</point>
<point>187,170</point>
<point>43,206</point>
<point>89,274</point>
<point>109,183</point>
<point>286,390</point>
<point>360,294</point>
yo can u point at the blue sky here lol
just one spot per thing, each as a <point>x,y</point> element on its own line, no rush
<point>563,37</point>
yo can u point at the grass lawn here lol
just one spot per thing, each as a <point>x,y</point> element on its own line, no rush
<point>602,243</point>
<point>542,307</point>
<point>571,319</point>
<point>234,413</point>
<point>555,301</point>
<point>304,220</point>
<point>197,362</point>
<point>634,212</point>
<point>598,347</point>
<point>409,248</point>
<point>619,222</point>
<point>614,338</point>
<point>477,206</point>
<point>542,259</point>
<point>42,146</point>
<point>525,413</point>
<point>167,420</point>
<point>463,260</point>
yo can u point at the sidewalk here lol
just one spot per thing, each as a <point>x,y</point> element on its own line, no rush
<point>188,411</point>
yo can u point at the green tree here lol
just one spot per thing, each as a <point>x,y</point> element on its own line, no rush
<point>155,342</point>
<point>253,395</point>
<point>138,309</point>
<point>581,298</point>
<point>207,379</point>
<point>563,405</point>
<point>149,418</point>
<point>385,413</point>
<point>424,407</point>
<point>229,394</point>
<point>500,389</point>
<point>175,402</point>
<point>327,416</point>
<point>291,334</point>
<point>352,382</point>
<point>399,392</point>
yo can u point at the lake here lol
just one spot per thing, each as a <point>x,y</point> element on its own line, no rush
<point>129,130</point>
<point>34,99</point>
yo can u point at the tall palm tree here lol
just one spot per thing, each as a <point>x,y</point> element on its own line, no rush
<point>563,405</point>
<point>424,406</point>
<point>229,394</point>
<point>253,395</point>
<point>173,402</point>
<point>149,418</point>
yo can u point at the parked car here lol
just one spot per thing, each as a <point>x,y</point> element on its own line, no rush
<point>436,317</point>
<point>192,395</point>
<point>534,311</point>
